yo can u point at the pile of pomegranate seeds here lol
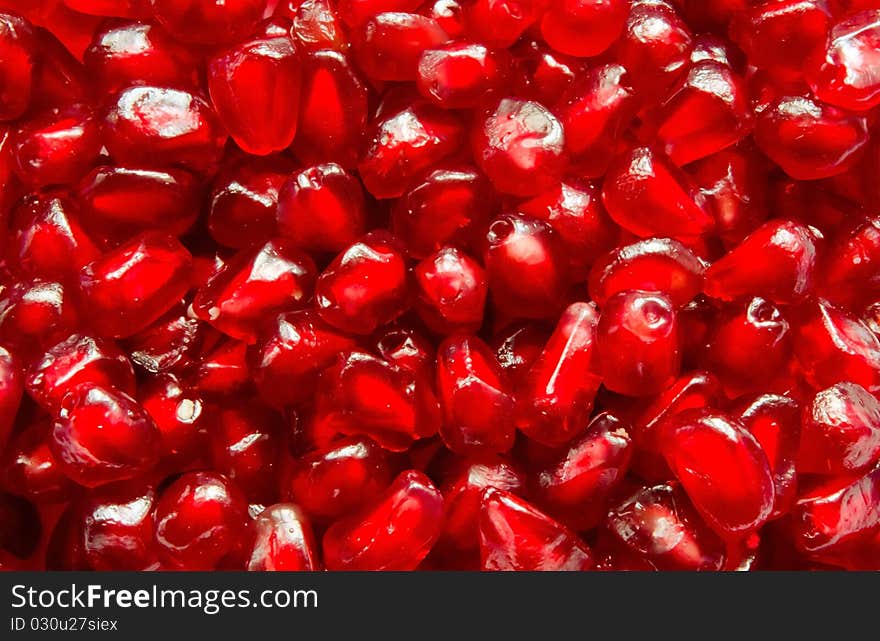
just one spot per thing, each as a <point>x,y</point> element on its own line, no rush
<point>440,284</point>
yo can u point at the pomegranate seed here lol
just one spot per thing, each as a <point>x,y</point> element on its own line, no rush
<point>18,52</point>
<point>366,286</point>
<point>78,360</point>
<point>810,139</point>
<point>658,264</point>
<point>660,526</point>
<point>121,202</point>
<point>167,343</point>
<point>255,285</point>
<point>102,435</point>
<point>841,431</point>
<point>849,275</point>
<point>117,8</point>
<point>593,111</point>
<point>177,412</point>
<point>556,395</point>
<point>460,75</point>
<point>516,536</point>
<point>212,22</point>
<point>339,478</point>
<point>223,370</point>
<point>499,23</point>
<point>283,541</point>
<point>775,422</point>
<point>34,315</point>
<point>448,206</point>
<point>407,347</point>
<point>403,144</point>
<point>255,88</point>
<point>477,407</point>
<point>638,343</point>
<point>48,238</point>
<point>722,468</point>
<point>646,195</point>
<point>333,110</point>
<point>29,469</point>
<point>394,533</point>
<point>130,53</point>
<point>322,208</point>
<point>450,291</point>
<point>131,286</point>
<point>361,394</point>
<point>520,146</point>
<point>462,498</point>
<point>316,24</point>
<point>57,147</point>
<point>118,527</point>
<point>161,126</point>
<point>526,266</point>
<point>388,45</point>
<point>200,519</point>
<point>777,261</point>
<point>585,27</point>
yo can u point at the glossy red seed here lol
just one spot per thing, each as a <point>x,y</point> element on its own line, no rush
<point>756,331</point>
<point>115,8</point>
<point>255,285</point>
<point>777,261</point>
<point>316,24</point>
<point>361,394</point>
<point>178,412</point>
<point>128,288</point>
<point>366,286</point>
<point>833,346</point>
<point>462,497</point>
<point>648,196</point>
<point>838,512</point>
<point>322,208</point>
<point>403,144</point>
<point>594,111</point>
<point>408,347</point>
<point>157,126</point>
<point>35,314</point>
<point>120,202</point>
<point>388,45</point>
<point>200,518</point>
<point>516,536</point>
<point>48,238</point>
<point>255,88</point>
<point>448,206</point>
<point>706,113</point>
<point>526,265</point>
<point>575,487</point>
<point>780,35</point>
<point>291,352</point>
<point>245,445</point>
<point>842,75</point>
<point>477,406</point>
<point>169,342</point>
<point>556,395</point>
<point>123,54</point>
<point>394,533</point>
<point>101,435</point>
<point>849,274</point>
<point>76,360</point>
<point>654,48</point>
<point>660,526</point>
<point>11,388</point>
<point>29,469</point>
<point>520,146</point>
<point>657,264</point>
<point>722,468</point>
<point>810,139</point>
<point>57,147</point>
<point>283,541</point>
<point>461,75</point>
<point>841,431</point>
<point>212,22</point>
<point>357,12</point>
<point>333,110</point>
<point>450,290</point>
<point>18,54</point>
<point>499,23</point>
<point>638,343</point>
<point>223,369</point>
<point>339,478</point>
<point>583,27</point>
<point>118,527</point>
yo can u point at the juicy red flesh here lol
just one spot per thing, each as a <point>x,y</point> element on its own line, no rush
<point>392,285</point>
